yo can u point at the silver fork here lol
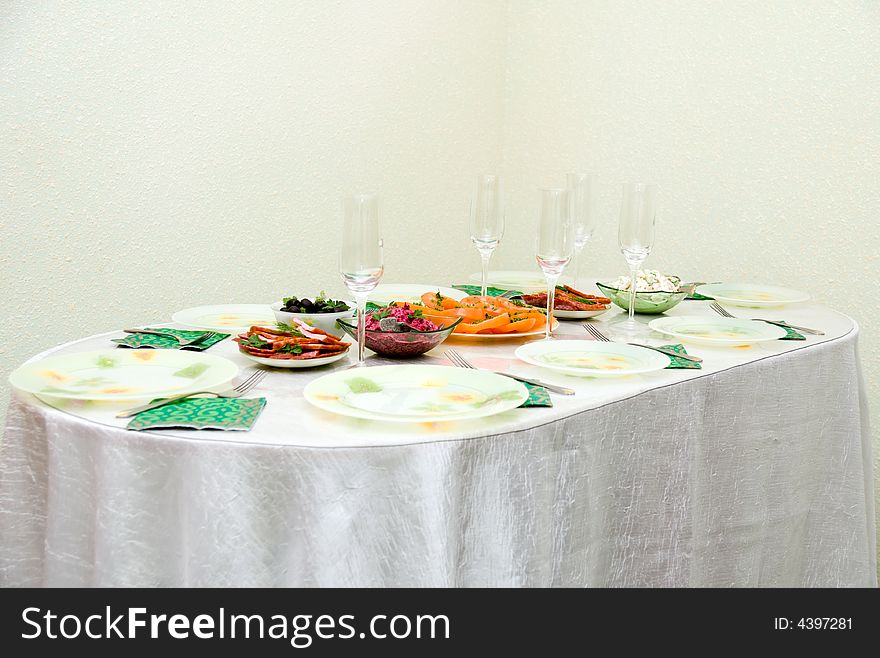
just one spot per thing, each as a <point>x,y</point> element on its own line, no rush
<point>236,392</point>
<point>723,312</point>
<point>598,335</point>
<point>183,343</point>
<point>460,362</point>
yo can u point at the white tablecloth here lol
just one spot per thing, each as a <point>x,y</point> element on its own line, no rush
<point>754,471</point>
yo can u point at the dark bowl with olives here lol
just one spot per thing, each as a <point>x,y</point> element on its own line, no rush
<point>320,311</point>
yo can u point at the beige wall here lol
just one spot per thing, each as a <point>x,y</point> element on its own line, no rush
<point>165,155</point>
<point>760,120</point>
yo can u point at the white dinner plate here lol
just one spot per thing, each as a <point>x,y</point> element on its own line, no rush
<point>578,315</point>
<point>415,393</point>
<point>592,358</point>
<point>589,358</point>
<point>295,363</point>
<point>719,331</point>
<point>123,374</point>
<point>228,318</point>
<point>752,295</point>
<point>385,293</point>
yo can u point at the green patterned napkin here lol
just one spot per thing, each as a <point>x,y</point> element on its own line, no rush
<point>792,334</point>
<point>202,414</point>
<point>680,363</point>
<point>538,396</point>
<point>160,342</point>
<point>698,297</point>
<point>695,295</point>
<point>490,291</point>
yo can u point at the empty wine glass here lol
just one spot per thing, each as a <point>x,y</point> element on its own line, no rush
<point>581,187</point>
<point>487,221</point>
<point>360,256</point>
<point>555,242</point>
<point>638,210</point>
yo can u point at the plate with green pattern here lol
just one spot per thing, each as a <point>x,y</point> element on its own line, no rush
<point>730,332</point>
<point>123,374</point>
<point>415,393</point>
<point>752,295</point>
<point>228,318</point>
<point>589,358</point>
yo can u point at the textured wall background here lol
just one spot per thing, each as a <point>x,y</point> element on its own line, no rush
<point>759,120</point>
<point>157,156</point>
<point>167,154</point>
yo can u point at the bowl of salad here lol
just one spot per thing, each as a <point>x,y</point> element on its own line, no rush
<point>321,312</point>
<point>655,292</point>
<point>400,331</point>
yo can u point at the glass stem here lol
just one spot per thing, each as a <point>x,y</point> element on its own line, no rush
<point>361,300</point>
<point>633,272</point>
<point>551,297</point>
<point>577,266</point>
<point>485,255</point>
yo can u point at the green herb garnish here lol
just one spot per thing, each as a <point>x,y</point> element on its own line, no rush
<point>283,326</point>
<point>381,313</point>
<point>582,300</point>
<point>257,342</point>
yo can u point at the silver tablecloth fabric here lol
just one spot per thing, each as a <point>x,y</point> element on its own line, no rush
<point>758,474</point>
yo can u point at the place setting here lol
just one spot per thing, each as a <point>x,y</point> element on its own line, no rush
<point>413,353</point>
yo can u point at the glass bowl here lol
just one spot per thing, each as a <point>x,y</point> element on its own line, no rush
<point>323,321</point>
<point>403,344</point>
<point>648,303</point>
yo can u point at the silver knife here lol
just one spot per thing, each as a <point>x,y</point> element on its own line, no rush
<point>806,330</point>
<point>534,382</point>
<point>686,357</point>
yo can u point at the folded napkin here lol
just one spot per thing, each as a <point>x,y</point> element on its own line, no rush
<point>538,396</point>
<point>160,342</point>
<point>680,363</point>
<point>202,414</point>
<point>792,334</point>
<point>695,294</point>
<point>490,291</point>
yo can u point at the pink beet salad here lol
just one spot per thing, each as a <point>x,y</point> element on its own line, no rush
<point>398,319</point>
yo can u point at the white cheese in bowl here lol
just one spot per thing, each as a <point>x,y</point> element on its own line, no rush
<point>648,281</point>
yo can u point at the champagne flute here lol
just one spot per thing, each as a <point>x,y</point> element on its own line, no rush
<point>584,212</point>
<point>638,210</point>
<point>360,256</point>
<point>555,242</point>
<point>487,221</point>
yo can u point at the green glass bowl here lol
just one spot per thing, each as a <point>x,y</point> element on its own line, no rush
<point>647,303</point>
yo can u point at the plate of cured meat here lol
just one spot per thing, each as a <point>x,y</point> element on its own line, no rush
<point>297,345</point>
<point>570,304</point>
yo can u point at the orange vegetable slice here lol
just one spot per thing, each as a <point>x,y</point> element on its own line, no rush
<point>465,328</point>
<point>433,300</point>
<point>493,323</point>
<point>472,314</point>
<point>521,326</point>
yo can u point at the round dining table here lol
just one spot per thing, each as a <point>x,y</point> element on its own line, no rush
<point>753,471</point>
